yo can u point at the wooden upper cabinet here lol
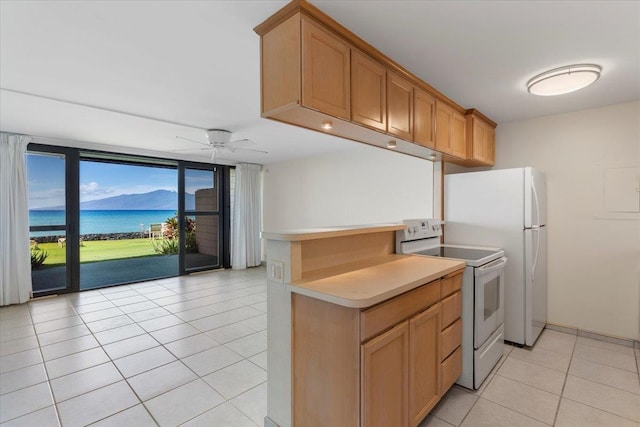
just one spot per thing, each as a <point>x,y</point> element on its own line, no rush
<point>458,136</point>
<point>450,131</point>
<point>491,146</point>
<point>325,71</point>
<point>280,64</point>
<point>368,92</point>
<point>399,107</point>
<point>424,363</point>
<point>481,136</point>
<point>478,138</point>
<point>385,361</point>
<point>313,69</point>
<point>424,111</point>
<point>444,117</point>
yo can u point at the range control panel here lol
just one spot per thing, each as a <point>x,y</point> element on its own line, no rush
<point>421,229</point>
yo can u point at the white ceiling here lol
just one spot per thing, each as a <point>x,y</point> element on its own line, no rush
<point>195,64</point>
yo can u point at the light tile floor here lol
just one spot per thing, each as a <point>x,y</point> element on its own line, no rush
<point>192,350</point>
<point>185,350</point>
<point>565,380</point>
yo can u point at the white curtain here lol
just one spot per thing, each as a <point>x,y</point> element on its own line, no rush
<point>245,230</point>
<point>15,261</point>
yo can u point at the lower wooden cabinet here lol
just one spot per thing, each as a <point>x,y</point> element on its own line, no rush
<point>451,309</point>
<point>450,370</point>
<point>400,372</point>
<point>451,339</point>
<point>402,354</point>
<point>385,373</point>
<point>424,363</point>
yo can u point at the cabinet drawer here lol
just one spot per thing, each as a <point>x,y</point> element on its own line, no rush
<point>451,309</point>
<point>452,283</point>
<point>389,313</point>
<point>451,338</point>
<point>450,370</point>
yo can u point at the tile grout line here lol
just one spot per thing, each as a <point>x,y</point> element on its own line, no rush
<point>602,410</point>
<point>198,377</point>
<point>46,371</point>
<point>511,409</point>
<point>564,384</point>
<point>245,293</point>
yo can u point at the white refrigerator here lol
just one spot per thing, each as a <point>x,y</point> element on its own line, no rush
<point>506,209</point>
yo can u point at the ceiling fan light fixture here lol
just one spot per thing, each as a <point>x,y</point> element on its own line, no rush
<point>564,79</point>
<point>218,136</point>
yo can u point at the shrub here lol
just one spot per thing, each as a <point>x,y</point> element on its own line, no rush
<point>190,242</point>
<point>38,256</point>
<point>171,233</point>
<point>166,246</point>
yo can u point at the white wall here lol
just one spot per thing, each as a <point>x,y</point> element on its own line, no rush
<point>593,256</point>
<point>363,185</point>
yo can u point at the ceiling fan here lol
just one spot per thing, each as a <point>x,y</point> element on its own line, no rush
<point>218,140</point>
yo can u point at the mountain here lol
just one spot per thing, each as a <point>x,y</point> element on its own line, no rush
<point>154,200</point>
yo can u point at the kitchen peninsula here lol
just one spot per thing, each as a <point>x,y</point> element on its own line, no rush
<point>358,336</point>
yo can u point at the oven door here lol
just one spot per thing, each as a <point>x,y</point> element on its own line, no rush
<point>489,300</point>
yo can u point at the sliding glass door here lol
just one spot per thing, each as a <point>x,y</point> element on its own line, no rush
<point>125,212</point>
<point>201,220</point>
<point>103,219</point>
<point>50,241</point>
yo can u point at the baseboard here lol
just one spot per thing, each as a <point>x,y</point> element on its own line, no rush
<point>594,335</point>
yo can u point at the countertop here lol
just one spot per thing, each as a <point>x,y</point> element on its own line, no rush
<point>327,232</point>
<point>388,277</point>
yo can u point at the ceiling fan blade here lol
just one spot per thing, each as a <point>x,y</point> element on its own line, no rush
<point>191,149</point>
<point>193,140</point>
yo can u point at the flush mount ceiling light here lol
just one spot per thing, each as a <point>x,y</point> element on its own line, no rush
<point>327,125</point>
<point>564,79</point>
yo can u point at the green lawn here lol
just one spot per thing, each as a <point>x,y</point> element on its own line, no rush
<point>100,250</point>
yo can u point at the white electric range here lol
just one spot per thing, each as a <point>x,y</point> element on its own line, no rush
<point>482,295</point>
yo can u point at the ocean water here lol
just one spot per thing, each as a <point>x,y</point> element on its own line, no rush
<point>100,222</point>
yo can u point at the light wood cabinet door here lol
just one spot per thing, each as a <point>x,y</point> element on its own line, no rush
<point>444,117</point>
<point>451,309</point>
<point>368,92</point>
<point>479,143</point>
<point>450,131</point>
<point>325,71</point>
<point>385,362</point>
<point>490,149</point>
<point>450,370</point>
<point>399,107</point>
<point>424,363</point>
<point>424,106</point>
<point>458,135</point>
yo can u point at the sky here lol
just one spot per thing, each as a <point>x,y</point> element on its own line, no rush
<point>98,180</point>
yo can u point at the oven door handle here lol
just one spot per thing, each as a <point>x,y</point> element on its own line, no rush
<point>491,267</point>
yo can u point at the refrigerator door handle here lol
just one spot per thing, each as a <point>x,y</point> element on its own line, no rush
<point>535,258</point>
<point>535,200</point>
